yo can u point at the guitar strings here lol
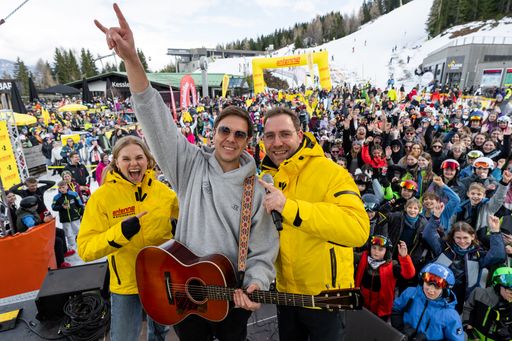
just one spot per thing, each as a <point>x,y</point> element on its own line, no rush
<point>198,289</point>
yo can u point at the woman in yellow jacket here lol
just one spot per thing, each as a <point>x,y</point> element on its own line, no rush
<point>129,211</point>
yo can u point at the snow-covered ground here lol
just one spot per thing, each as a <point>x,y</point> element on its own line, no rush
<point>368,53</point>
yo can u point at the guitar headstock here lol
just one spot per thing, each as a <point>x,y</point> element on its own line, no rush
<point>340,299</point>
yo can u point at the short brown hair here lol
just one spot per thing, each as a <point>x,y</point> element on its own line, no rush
<point>234,111</point>
<point>283,111</point>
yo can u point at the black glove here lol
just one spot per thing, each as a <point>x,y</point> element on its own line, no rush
<point>130,227</point>
<point>409,331</point>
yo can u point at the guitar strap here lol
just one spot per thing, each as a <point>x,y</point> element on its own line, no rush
<point>245,227</point>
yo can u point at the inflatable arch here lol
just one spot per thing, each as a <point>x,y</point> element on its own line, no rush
<point>319,58</point>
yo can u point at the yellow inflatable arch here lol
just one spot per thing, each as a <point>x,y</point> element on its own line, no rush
<point>320,58</point>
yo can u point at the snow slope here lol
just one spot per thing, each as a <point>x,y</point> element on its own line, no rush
<point>368,53</point>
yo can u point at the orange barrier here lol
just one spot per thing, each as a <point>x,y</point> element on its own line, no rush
<point>26,258</point>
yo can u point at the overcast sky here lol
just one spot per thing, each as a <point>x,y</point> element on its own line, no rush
<point>40,26</point>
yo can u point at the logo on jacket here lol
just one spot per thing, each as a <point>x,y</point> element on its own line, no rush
<point>123,212</point>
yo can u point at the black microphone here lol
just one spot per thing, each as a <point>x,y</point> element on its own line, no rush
<point>277,218</point>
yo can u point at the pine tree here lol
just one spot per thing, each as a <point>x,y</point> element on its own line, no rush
<point>21,73</point>
<point>142,58</point>
<point>73,68</point>
<point>59,67</point>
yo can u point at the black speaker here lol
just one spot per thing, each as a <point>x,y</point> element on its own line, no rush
<point>61,284</point>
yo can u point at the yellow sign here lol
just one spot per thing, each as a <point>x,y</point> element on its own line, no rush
<point>225,84</point>
<point>74,137</point>
<point>8,167</point>
<point>319,58</point>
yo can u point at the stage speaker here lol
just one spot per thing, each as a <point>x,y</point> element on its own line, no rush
<point>61,284</point>
<point>363,325</point>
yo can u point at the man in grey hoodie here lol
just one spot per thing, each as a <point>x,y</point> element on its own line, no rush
<point>209,184</point>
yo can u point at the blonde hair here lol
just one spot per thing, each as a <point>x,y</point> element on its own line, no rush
<point>124,142</point>
<point>476,186</point>
<point>412,201</point>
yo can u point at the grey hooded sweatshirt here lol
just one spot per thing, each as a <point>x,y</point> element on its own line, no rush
<point>209,199</point>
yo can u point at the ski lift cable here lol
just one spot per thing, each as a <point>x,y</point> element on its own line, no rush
<point>15,10</point>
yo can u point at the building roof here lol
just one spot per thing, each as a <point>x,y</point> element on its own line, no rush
<point>172,79</point>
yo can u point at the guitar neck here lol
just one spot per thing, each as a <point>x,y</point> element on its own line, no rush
<point>345,298</point>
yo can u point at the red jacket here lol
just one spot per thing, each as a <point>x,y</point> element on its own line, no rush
<point>381,303</point>
<point>378,162</point>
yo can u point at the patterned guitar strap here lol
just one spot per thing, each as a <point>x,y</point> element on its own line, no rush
<point>245,228</point>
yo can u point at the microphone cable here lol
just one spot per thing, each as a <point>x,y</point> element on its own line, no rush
<point>87,317</point>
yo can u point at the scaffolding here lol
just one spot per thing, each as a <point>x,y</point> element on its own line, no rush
<point>17,148</point>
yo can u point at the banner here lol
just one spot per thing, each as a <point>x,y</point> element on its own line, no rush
<point>46,116</point>
<point>225,85</point>
<point>319,58</point>
<point>310,67</point>
<point>187,88</point>
<point>173,103</point>
<point>8,166</point>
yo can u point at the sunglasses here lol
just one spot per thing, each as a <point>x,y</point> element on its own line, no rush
<point>224,132</point>
<point>431,279</point>
<point>450,164</point>
<point>437,146</point>
<point>379,240</point>
<point>410,133</point>
<point>371,207</point>
<point>481,164</point>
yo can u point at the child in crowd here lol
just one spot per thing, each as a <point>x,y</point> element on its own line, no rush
<point>477,208</point>
<point>376,274</point>
<point>462,253</point>
<point>430,198</point>
<point>408,189</point>
<point>427,312</point>
<point>488,312</point>
<point>70,209</point>
<point>28,217</point>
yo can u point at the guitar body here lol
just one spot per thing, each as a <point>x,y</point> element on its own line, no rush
<point>172,283</point>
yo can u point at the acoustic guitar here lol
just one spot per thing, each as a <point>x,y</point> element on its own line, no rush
<point>173,283</point>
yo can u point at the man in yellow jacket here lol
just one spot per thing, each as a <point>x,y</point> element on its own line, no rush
<point>323,219</point>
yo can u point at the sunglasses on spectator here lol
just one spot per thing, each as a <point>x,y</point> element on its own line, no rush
<point>410,133</point>
<point>436,146</point>
<point>224,132</point>
<point>379,240</point>
<point>434,280</point>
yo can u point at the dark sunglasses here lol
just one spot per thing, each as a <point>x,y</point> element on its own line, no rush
<point>226,131</point>
<point>436,146</point>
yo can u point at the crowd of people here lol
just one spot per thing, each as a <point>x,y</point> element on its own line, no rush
<point>405,195</point>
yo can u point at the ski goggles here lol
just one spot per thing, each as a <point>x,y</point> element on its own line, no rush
<point>475,118</point>
<point>409,185</point>
<point>474,154</point>
<point>504,280</point>
<point>434,280</point>
<point>450,164</point>
<point>379,240</point>
<point>370,206</point>
<point>481,164</point>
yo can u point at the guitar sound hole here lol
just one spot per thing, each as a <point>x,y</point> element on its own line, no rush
<point>196,290</point>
